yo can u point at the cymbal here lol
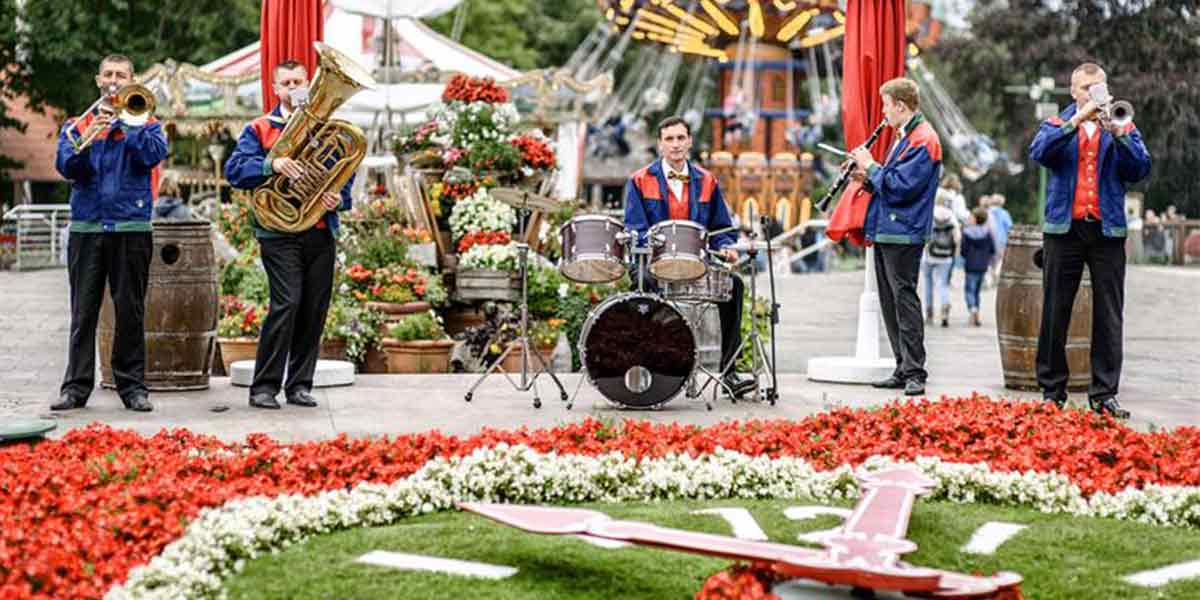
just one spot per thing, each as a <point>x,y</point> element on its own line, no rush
<point>517,198</point>
<point>746,245</point>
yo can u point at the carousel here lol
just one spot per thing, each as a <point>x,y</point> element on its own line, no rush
<point>759,85</point>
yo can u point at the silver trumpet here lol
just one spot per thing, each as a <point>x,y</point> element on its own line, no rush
<point>1117,113</point>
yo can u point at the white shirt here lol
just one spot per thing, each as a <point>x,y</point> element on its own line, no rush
<point>1090,127</point>
<point>675,185</point>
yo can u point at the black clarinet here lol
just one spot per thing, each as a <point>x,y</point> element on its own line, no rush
<point>840,183</point>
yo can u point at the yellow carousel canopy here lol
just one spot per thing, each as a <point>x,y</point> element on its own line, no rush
<point>713,28</point>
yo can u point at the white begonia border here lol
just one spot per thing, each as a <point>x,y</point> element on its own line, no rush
<point>219,541</point>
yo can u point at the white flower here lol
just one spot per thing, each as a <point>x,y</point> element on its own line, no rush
<point>563,289</point>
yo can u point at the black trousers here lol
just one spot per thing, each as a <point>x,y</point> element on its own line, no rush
<point>1063,258</point>
<point>300,271</point>
<point>123,261</point>
<point>897,267</point>
<point>729,311</point>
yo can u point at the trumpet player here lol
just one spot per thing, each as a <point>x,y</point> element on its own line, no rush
<point>299,265</point>
<point>110,236</point>
<point>1090,156</point>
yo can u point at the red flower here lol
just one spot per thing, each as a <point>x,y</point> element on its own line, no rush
<point>465,88</point>
<point>535,153</point>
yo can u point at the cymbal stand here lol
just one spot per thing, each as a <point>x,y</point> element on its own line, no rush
<point>527,382</point>
<point>761,366</point>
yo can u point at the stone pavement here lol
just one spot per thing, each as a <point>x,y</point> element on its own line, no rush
<point>1162,359</point>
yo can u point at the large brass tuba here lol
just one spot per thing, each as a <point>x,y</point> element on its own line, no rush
<point>330,150</point>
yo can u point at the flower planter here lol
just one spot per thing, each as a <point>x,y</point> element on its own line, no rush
<point>375,361</point>
<point>423,356</point>
<point>512,362</point>
<point>487,284</point>
<point>333,349</point>
<point>393,312</point>
<point>461,318</point>
<point>235,349</point>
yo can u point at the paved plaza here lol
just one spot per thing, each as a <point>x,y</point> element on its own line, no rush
<point>1162,359</point>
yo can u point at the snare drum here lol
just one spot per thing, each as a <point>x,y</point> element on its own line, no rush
<point>716,285</point>
<point>590,249</point>
<point>679,250</point>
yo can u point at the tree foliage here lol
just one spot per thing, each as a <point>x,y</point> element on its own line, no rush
<point>1150,50</point>
<point>8,56</point>
<point>524,34</point>
<point>67,38</point>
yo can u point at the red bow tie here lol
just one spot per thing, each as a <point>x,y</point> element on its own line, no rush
<point>677,177</point>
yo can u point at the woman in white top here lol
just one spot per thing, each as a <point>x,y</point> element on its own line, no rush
<point>937,260</point>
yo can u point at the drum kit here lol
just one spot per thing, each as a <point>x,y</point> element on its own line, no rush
<point>642,349</point>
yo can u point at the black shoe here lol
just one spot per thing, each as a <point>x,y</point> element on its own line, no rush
<point>264,401</point>
<point>138,402</point>
<point>301,398</point>
<point>1110,406</point>
<point>1059,401</point>
<point>68,401</point>
<point>738,385</point>
<point>891,383</point>
<point>914,387</point>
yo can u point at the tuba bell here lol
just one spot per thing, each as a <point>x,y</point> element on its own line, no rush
<point>329,150</point>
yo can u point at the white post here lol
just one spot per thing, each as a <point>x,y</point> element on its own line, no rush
<point>865,366</point>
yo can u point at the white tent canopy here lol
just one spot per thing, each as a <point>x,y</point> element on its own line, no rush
<point>417,9</point>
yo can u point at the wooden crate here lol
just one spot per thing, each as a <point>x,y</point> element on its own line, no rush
<point>487,284</point>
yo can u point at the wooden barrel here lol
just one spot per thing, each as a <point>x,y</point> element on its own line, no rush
<point>1019,316</point>
<point>181,310</point>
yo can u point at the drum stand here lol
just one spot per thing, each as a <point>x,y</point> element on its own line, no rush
<point>527,383</point>
<point>761,366</point>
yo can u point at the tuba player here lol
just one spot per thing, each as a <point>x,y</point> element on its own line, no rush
<point>299,265</point>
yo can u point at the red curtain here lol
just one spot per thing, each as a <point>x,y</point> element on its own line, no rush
<point>873,52</point>
<point>288,29</point>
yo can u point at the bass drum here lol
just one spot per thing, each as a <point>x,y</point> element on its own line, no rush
<point>638,350</point>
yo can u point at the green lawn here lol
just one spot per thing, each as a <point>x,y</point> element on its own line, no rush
<point>1060,557</point>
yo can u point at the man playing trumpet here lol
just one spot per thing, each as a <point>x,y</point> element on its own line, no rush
<point>1091,157</point>
<point>110,237</point>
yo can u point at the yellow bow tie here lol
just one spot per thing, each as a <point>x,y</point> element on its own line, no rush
<point>677,177</point>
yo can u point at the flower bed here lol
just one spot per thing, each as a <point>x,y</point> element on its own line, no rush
<point>79,513</point>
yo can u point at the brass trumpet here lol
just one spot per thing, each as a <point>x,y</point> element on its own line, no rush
<point>133,104</point>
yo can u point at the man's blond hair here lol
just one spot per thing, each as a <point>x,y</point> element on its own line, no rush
<point>1089,69</point>
<point>902,90</point>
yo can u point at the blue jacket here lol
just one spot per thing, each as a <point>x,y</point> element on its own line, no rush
<point>1056,147</point>
<point>978,248</point>
<point>247,168</point>
<point>647,202</point>
<point>903,188</point>
<point>110,180</point>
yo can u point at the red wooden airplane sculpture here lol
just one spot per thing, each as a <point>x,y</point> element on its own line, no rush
<point>864,553</point>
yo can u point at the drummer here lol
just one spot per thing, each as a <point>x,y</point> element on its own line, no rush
<point>674,188</point>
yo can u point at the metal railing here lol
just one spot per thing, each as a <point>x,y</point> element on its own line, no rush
<point>38,229</point>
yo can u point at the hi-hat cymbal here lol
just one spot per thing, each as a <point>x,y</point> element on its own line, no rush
<point>517,198</point>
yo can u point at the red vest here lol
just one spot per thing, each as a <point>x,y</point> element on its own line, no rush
<point>677,208</point>
<point>1087,187</point>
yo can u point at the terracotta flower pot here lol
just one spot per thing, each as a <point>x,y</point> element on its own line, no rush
<point>235,349</point>
<point>374,361</point>
<point>333,349</point>
<point>512,362</point>
<point>423,356</point>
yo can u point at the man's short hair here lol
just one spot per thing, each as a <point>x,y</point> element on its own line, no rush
<point>903,90</point>
<point>671,122</point>
<point>289,64</point>
<point>1088,69</point>
<point>117,58</point>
